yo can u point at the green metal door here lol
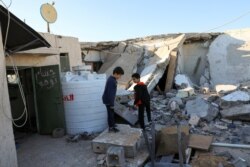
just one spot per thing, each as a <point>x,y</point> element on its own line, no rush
<point>48,95</point>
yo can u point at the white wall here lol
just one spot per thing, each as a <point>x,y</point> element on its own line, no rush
<point>7,145</point>
<point>50,56</point>
<point>229,57</point>
<point>188,60</point>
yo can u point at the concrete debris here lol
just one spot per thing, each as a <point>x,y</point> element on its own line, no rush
<point>246,134</point>
<point>198,93</point>
<point>241,112</point>
<point>237,96</point>
<point>182,81</point>
<point>128,113</point>
<point>240,162</point>
<point>225,88</point>
<point>202,109</point>
<point>128,138</point>
<point>115,157</point>
<point>175,104</point>
<point>82,136</point>
<point>182,93</point>
<point>194,120</point>
<point>123,96</point>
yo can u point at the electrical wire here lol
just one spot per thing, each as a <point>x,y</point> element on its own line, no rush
<point>17,75</point>
<point>22,95</point>
<point>229,22</point>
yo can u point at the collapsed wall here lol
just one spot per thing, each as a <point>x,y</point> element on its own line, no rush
<point>229,57</point>
<point>148,56</point>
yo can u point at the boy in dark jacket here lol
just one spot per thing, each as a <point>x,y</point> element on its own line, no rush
<point>142,99</point>
<point>108,96</point>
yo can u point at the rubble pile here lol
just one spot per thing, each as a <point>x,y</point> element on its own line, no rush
<point>222,113</point>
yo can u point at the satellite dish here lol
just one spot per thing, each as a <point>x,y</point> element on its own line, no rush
<point>48,13</point>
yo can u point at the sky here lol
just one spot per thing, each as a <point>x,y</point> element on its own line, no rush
<point>113,20</point>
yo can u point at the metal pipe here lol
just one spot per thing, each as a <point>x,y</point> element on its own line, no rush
<point>180,145</point>
<point>231,145</point>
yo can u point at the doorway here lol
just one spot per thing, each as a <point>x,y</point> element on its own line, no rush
<point>43,95</point>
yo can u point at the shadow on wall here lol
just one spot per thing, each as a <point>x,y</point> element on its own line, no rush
<point>229,58</point>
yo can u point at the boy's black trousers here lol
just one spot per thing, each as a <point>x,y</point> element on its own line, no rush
<point>141,109</point>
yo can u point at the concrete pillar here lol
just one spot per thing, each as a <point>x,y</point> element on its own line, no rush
<point>8,156</point>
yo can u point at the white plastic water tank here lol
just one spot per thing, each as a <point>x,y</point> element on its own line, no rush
<point>82,95</point>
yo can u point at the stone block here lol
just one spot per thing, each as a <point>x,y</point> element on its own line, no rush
<point>115,157</point>
<point>128,138</point>
<point>194,120</point>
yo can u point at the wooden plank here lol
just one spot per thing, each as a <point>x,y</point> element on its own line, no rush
<point>171,70</point>
<point>200,141</point>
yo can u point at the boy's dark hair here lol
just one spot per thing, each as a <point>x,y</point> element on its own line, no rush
<point>136,75</point>
<point>118,70</point>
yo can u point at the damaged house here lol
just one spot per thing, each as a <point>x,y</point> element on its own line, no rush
<point>33,61</point>
<point>199,85</point>
<point>205,81</point>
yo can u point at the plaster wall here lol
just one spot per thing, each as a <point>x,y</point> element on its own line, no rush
<point>192,60</point>
<point>50,56</point>
<point>8,156</point>
<point>229,57</point>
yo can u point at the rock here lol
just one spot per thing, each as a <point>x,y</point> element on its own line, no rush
<point>237,96</point>
<point>182,93</point>
<point>58,133</point>
<point>177,100</point>
<point>202,109</point>
<point>221,127</point>
<point>241,112</point>
<point>212,98</point>
<point>170,95</point>
<point>240,162</point>
<point>246,134</point>
<point>194,120</point>
<point>173,106</point>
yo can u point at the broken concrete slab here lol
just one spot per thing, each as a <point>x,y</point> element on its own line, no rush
<point>202,109</point>
<point>241,112</point>
<point>182,93</point>
<point>245,134</point>
<point>123,96</point>
<point>115,156</point>
<point>225,88</point>
<point>129,114</point>
<point>237,96</point>
<point>128,138</point>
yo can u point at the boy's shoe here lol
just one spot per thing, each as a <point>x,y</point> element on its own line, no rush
<point>113,129</point>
